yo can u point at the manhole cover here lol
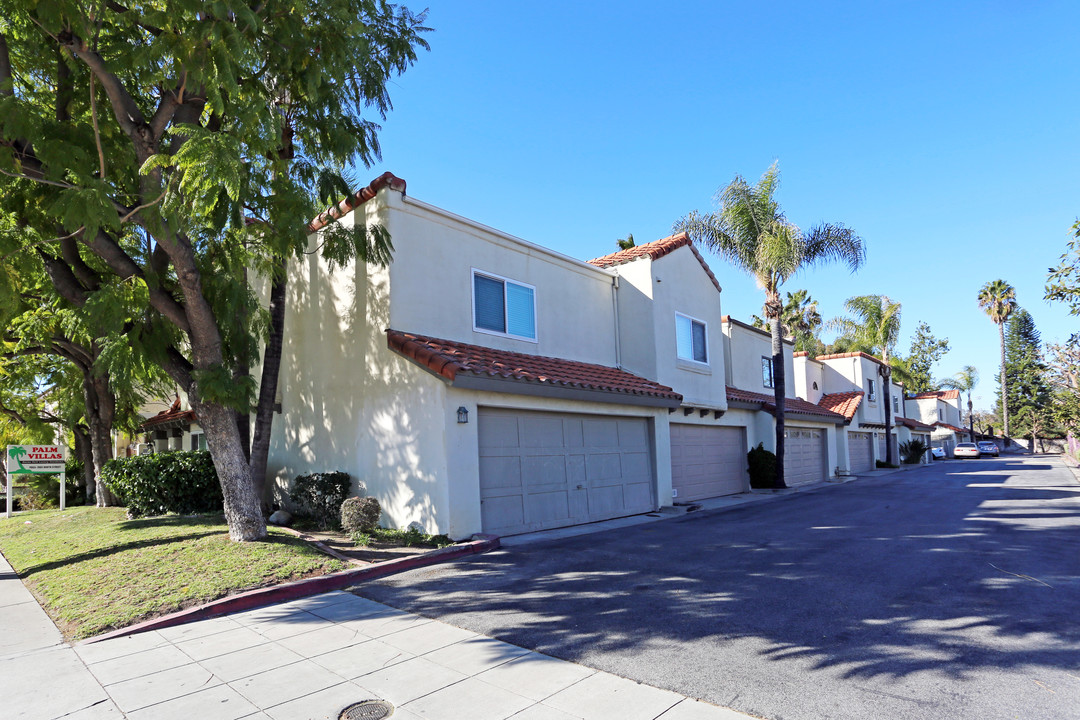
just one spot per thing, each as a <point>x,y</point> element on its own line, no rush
<point>367,710</point>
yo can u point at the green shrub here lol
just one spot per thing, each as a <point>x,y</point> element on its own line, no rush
<point>47,487</point>
<point>360,514</point>
<point>320,495</point>
<point>182,482</point>
<point>881,464</point>
<point>762,467</point>
<point>912,451</point>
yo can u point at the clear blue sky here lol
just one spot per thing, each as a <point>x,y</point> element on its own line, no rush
<point>945,134</point>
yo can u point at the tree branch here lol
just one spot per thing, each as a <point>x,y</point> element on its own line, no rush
<point>7,80</point>
<point>64,279</point>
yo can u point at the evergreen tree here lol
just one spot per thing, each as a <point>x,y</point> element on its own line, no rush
<point>926,350</point>
<point>1028,391</point>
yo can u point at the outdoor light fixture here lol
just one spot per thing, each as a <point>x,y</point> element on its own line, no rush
<point>463,414</point>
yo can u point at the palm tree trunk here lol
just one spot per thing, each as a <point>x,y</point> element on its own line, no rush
<point>971,418</point>
<point>886,376</point>
<point>1004,388</point>
<point>779,390</point>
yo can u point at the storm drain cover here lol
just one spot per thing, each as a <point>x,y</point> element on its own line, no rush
<point>367,710</point>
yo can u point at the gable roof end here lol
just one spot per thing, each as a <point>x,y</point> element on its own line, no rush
<point>654,251</point>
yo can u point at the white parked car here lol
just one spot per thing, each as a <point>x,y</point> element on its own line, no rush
<point>966,450</point>
<point>937,453</point>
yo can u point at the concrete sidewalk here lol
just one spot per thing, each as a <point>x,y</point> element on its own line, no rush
<point>305,660</point>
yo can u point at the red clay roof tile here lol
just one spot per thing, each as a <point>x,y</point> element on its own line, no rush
<point>844,403</point>
<point>947,426</point>
<point>939,394</point>
<point>448,358</point>
<point>836,356</point>
<point>913,424</point>
<point>795,406</point>
<point>346,206</point>
<point>654,250</point>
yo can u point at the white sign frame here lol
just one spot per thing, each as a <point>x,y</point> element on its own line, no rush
<point>50,466</point>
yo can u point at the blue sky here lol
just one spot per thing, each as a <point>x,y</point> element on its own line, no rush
<point>945,134</point>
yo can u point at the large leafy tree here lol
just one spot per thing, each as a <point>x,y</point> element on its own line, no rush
<point>926,349</point>
<point>750,231</point>
<point>964,381</point>
<point>998,300</point>
<point>174,147</point>
<point>1063,363</point>
<point>1063,281</point>
<point>873,326</point>
<point>799,319</point>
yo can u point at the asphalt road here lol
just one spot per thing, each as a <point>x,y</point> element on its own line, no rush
<point>951,591</point>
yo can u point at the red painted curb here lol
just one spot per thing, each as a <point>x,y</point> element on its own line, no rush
<point>303,588</point>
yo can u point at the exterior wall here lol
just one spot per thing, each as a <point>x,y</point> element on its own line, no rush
<point>679,285</point>
<point>809,380</point>
<point>637,330</point>
<point>431,290</point>
<point>745,348</point>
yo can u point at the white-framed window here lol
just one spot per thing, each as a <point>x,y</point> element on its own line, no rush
<point>503,307</point>
<point>691,339</point>
<point>766,372</point>
<point>198,441</point>
<point>871,390</point>
<point>896,405</point>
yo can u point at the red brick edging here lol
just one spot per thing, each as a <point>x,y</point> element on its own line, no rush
<point>303,588</point>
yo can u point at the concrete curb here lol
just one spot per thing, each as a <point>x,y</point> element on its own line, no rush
<point>302,588</point>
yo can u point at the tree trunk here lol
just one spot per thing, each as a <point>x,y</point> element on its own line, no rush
<point>243,511</point>
<point>100,412</point>
<point>271,366</point>
<point>886,394</point>
<point>971,418</point>
<point>85,454</point>
<point>1004,387</point>
<point>772,311</point>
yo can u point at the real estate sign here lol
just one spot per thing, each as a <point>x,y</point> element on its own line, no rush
<point>35,460</point>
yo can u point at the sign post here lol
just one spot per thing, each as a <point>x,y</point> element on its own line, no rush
<point>36,460</point>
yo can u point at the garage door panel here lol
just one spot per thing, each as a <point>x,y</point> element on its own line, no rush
<point>804,455</point>
<point>707,461</point>
<point>565,469</point>
<point>860,452</point>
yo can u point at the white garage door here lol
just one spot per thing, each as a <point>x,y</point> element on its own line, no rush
<point>804,456</point>
<point>707,461</point>
<point>543,470</point>
<point>860,451</point>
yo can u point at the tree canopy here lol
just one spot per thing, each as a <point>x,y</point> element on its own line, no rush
<point>926,349</point>
<point>162,151</point>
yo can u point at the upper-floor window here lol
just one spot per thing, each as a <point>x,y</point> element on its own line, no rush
<point>896,404</point>
<point>691,339</point>
<point>871,390</point>
<point>940,414</point>
<point>503,306</point>
<point>766,372</point>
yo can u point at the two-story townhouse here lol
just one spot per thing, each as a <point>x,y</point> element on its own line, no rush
<point>941,409</point>
<point>851,384</point>
<point>810,431</point>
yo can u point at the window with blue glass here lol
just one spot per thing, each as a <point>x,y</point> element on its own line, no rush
<point>503,306</point>
<point>691,339</point>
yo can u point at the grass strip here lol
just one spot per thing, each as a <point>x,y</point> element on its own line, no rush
<point>93,570</point>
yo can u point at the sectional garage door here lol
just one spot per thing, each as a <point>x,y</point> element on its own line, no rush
<point>861,451</point>
<point>804,455</point>
<point>543,470</point>
<point>881,449</point>
<point>707,461</point>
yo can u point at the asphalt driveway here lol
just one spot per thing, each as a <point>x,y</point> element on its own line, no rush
<point>950,592</point>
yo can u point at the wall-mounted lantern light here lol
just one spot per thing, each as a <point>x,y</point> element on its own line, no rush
<point>463,415</point>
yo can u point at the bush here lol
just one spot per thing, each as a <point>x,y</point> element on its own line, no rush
<point>47,487</point>
<point>360,514</point>
<point>881,464</point>
<point>762,467</point>
<point>912,451</point>
<point>182,482</point>
<point>320,495</point>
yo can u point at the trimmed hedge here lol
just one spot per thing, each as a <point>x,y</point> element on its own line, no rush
<point>182,482</point>
<point>762,468</point>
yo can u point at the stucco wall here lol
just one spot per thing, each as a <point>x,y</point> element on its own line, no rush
<point>747,347</point>
<point>808,373</point>
<point>637,330</point>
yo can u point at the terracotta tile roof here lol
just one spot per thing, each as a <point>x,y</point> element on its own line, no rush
<point>947,426</point>
<point>939,394</point>
<point>448,358</point>
<point>837,356</point>
<point>844,403</point>
<point>346,206</point>
<point>795,406</point>
<point>913,424</point>
<point>655,250</point>
<point>173,413</point>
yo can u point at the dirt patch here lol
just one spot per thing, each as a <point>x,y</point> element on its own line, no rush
<point>342,547</point>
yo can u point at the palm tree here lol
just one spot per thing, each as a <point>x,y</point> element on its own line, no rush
<point>16,453</point>
<point>998,300</point>
<point>749,230</point>
<point>875,329</point>
<point>964,381</point>
<point>799,319</point>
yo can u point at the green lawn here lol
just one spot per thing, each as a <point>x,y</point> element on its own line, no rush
<point>94,570</point>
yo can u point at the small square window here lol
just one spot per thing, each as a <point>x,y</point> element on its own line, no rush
<point>691,339</point>
<point>767,372</point>
<point>503,306</point>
